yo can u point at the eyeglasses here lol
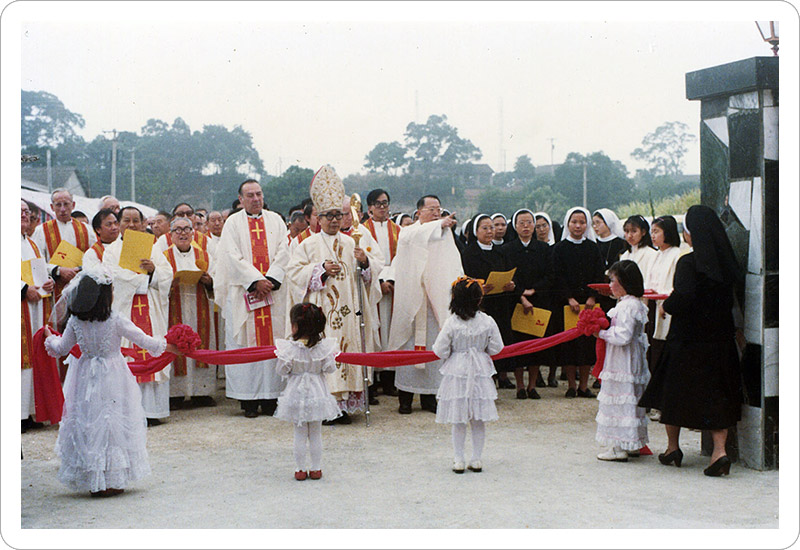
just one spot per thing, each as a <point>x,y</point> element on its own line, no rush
<point>184,213</point>
<point>181,230</point>
<point>330,216</point>
<point>381,204</point>
<point>438,209</point>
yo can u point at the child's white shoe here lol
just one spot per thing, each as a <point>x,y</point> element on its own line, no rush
<point>475,466</point>
<point>613,454</point>
<point>459,466</point>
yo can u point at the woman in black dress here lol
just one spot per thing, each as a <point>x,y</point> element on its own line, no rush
<point>479,258</point>
<point>533,261</point>
<point>696,383</point>
<point>610,237</point>
<point>543,230</point>
<point>577,263</point>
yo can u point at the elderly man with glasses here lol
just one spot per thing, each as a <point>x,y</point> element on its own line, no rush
<point>182,210</point>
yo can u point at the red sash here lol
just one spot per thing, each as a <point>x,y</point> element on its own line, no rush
<point>140,316</point>
<point>201,239</point>
<point>27,337</point>
<point>52,235</point>
<point>258,244</point>
<point>203,314</point>
<point>394,233</point>
<point>99,249</point>
<point>303,235</point>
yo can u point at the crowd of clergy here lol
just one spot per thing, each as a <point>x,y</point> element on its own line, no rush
<point>382,280</point>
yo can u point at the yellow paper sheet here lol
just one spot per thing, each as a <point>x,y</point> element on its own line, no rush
<point>571,319</point>
<point>534,323</point>
<point>136,246</point>
<point>188,277</point>
<point>499,279</point>
<point>27,276</point>
<point>67,255</point>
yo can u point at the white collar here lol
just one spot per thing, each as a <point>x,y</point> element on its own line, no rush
<point>254,216</point>
<point>525,244</point>
<point>576,241</point>
<point>498,243</point>
<point>611,237</point>
<point>484,246</point>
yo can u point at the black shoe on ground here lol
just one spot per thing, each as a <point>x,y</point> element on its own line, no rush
<point>533,394</point>
<point>344,418</point>
<point>540,383</point>
<point>373,400</point>
<point>552,382</point>
<point>505,384</point>
<point>596,384</point>
<point>268,406</point>
<point>522,394</point>
<point>202,401</point>
<point>153,422</point>
<point>586,393</point>
<point>250,413</point>
<point>571,393</point>
<point>175,403</point>
<point>404,409</point>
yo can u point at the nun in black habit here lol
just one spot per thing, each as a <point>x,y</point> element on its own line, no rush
<point>697,381</point>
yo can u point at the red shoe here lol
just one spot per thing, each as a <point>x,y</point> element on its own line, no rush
<point>315,474</point>
<point>300,475</point>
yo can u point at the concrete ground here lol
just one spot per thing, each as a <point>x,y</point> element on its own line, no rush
<point>213,468</point>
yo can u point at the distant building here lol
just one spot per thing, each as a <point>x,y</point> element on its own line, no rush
<point>35,179</point>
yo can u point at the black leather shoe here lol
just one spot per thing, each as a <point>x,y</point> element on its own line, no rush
<point>540,383</point>
<point>175,403</point>
<point>404,409</point>
<point>505,384</point>
<point>153,422</point>
<point>430,407</point>
<point>721,466</point>
<point>596,384</point>
<point>585,393</point>
<point>522,394</point>
<point>268,406</point>
<point>203,401</point>
<point>552,382</point>
<point>373,400</point>
<point>572,392</point>
<point>533,394</point>
<point>675,456</point>
<point>250,413</point>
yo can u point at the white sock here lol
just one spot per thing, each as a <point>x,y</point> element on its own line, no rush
<point>315,444</point>
<point>459,437</point>
<point>300,438</point>
<point>478,438</point>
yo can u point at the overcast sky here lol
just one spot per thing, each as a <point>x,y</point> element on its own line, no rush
<point>322,91</point>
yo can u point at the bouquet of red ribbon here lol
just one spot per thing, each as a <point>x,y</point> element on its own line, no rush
<point>183,337</point>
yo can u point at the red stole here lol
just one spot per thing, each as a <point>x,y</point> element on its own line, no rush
<point>52,235</point>
<point>175,315</point>
<point>99,249</point>
<point>394,233</point>
<point>140,316</point>
<point>260,248</point>
<point>27,335</point>
<point>303,235</point>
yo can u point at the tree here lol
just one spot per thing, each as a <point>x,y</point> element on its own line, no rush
<point>607,180</point>
<point>663,149</point>
<point>46,122</point>
<point>524,169</point>
<point>437,142</point>
<point>386,157</point>
<point>288,189</point>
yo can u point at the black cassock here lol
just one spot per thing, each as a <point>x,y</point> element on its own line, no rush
<point>575,266</point>
<point>478,263</point>
<point>610,251</point>
<point>534,264</point>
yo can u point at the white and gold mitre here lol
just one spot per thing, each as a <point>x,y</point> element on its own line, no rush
<point>327,190</point>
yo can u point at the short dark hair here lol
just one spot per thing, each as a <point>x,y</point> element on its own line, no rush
<point>78,214</point>
<point>97,221</point>
<point>421,201</point>
<point>124,208</point>
<point>174,208</point>
<point>465,298</point>
<point>308,209</point>
<point>245,182</point>
<point>372,196</point>
<point>296,215</point>
<point>310,322</point>
<point>102,307</point>
<point>637,220</point>
<point>166,215</point>
<point>669,225</point>
<point>236,205</point>
<point>629,276</point>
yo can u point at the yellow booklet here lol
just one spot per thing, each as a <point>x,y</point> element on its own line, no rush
<point>534,323</point>
<point>188,277</point>
<point>571,319</point>
<point>136,246</point>
<point>34,273</point>
<point>499,279</point>
<point>67,255</point>
<point>27,275</point>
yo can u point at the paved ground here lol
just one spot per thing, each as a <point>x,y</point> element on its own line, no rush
<point>213,468</point>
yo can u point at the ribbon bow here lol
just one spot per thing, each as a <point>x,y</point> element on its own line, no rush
<point>469,280</point>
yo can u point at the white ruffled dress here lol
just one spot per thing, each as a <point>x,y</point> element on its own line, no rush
<point>620,422</point>
<point>102,436</point>
<point>467,391</point>
<point>306,397</point>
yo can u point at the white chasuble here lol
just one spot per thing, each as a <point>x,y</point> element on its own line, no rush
<point>233,274</point>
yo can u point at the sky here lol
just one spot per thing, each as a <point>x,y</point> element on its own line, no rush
<point>318,85</point>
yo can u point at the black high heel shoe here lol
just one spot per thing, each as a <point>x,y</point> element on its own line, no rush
<point>675,456</point>
<point>720,466</point>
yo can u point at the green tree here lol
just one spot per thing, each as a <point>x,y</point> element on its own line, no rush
<point>437,142</point>
<point>607,180</point>
<point>386,157</point>
<point>288,189</point>
<point>524,169</point>
<point>664,148</point>
<point>46,122</point>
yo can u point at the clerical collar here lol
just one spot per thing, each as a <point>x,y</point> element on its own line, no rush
<point>380,223</point>
<point>611,237</point>
<point>525,243</point>
<point>576,241</point>
<point>183,253</point>
<point>484,246</point>
<point>498,243</point>
<point>254,216</point>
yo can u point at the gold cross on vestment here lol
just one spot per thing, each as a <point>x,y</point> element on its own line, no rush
<point>258,231</point>
<point>262,317</point>
<point>139,305</point>
<point>144,353</point>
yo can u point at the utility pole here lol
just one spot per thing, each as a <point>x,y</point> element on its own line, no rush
<point>133,174</point>
<point>49,174</point>
<point>584,185</point>
<point>552,148</point>
<point>113,161</point>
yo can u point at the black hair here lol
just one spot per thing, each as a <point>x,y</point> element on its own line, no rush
<point>308,209</point>
<point>629,276</point>
<point>124,208</point>
<point>638,221</point>
<point>166,215</point>
<point>174,208</point>
<point>78,214</point>
<point>669,226</point>
<point>97,221</point>
<point>245,182</point>
<point>310,322</point>
<point>296,215</point>
<point>421,201</point>
<point>372,196</point>
<point>102,307</point>
<point>236,205</point>
<point>465,298</point>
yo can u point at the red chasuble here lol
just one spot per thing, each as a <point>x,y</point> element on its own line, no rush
<point>140,316</point>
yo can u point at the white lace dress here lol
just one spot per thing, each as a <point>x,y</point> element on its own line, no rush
<point>467,391</point>
<point>103,431</point>
<point>620,421</point>
<point>306,397</point>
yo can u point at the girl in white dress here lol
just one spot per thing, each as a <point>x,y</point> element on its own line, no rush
<point>621,424</point>
<point>467,393</point>
<point>102,435</point>
<point>306,401</point>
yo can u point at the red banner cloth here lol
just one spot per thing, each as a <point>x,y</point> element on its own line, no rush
<point>47,394</point>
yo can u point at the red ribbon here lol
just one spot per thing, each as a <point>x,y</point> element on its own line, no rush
<point>47,394</point>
